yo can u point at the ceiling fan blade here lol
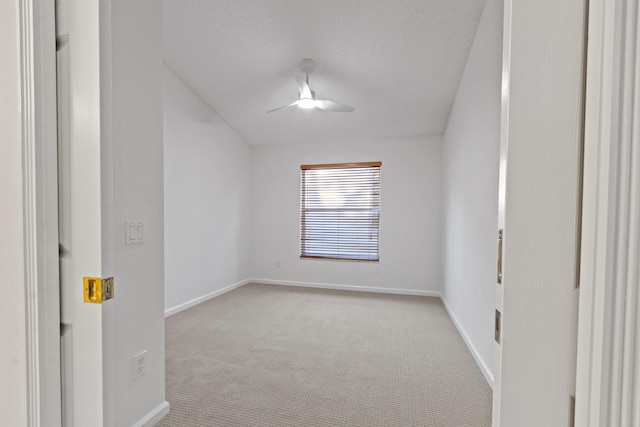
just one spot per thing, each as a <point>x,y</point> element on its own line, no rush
<point>284,106</point>
<point>325,104</point>
<point>303,87</point>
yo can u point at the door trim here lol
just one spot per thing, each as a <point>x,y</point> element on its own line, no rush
<point>29,194</point>
<point>608,334</point>
<point>39,195</point>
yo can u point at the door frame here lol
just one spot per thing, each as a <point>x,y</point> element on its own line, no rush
<point>38,144</point>
<point>608,333</point>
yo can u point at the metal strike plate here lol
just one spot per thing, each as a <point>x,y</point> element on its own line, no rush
<point>97,290</point>
<point>498,330</point>
<point>107,289</point>
<point>500,256</point>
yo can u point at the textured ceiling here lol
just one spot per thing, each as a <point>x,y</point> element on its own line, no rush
<point>398,62</point>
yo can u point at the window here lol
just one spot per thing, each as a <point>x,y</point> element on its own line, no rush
<point>340,211</point>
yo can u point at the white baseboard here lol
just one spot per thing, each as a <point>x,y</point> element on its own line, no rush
<point>348,287</point>
<point>154,417</point>
<point>483,368</point>
<point>181,307</point>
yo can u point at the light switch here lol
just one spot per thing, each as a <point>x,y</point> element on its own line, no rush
<point>134,233</point>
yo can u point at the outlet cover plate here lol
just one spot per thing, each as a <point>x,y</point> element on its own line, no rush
<point>140,365</point>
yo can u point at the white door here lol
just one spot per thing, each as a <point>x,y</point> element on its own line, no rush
<point>540,195</point>
<point>80,205</point>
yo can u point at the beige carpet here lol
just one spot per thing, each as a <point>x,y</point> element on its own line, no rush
<point>266,355</point>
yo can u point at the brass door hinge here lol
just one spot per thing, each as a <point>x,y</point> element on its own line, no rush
<point>97,290</point>
<point>572,411</point>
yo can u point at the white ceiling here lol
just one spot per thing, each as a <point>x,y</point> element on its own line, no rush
<point>398,62</point>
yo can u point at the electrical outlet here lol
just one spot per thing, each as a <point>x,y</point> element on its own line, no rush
<point>377,268</point>
<point>140,365</point>
<point>278,265</point>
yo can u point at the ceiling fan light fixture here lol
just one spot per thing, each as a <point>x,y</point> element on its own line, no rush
<point>307,103</point>
<point>307,98</point>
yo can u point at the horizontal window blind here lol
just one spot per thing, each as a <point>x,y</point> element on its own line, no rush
<point>340,211</point>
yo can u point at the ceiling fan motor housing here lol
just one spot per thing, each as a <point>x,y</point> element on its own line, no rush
<point>307,65</point>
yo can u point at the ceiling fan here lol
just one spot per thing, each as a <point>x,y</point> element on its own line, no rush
<point>307,98</point>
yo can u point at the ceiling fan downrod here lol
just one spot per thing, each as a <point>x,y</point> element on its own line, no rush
<point>307,65</point>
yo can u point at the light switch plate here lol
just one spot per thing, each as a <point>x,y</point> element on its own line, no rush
<point>134,233</point>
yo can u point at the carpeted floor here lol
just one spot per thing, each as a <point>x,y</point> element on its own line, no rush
<point>266,355</point>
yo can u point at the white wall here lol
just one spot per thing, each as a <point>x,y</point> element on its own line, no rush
<point>13,370</point>
<point>134,319</point>
<point>410,217</point>
<point>207,199</point>
<point>471,160</point>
